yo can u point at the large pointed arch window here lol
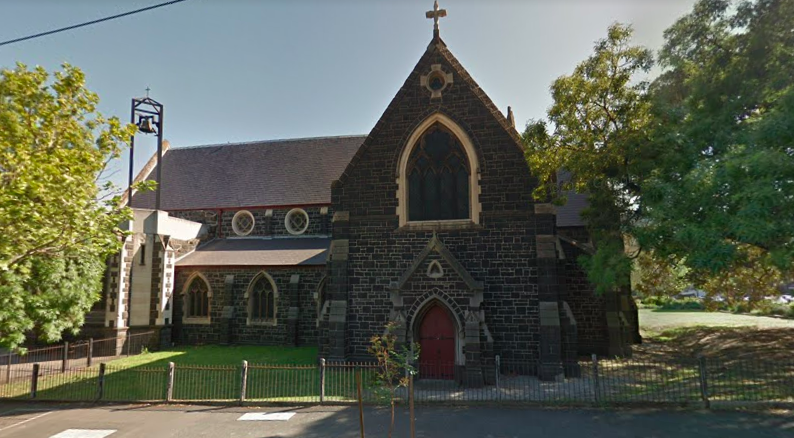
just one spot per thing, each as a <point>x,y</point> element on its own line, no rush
<point>438,177</point>
<point>262,300</point>
<point>197,300</point>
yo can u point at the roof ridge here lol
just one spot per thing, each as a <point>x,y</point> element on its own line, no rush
<point>279,140</point>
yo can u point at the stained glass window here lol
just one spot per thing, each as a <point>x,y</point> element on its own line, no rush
<point>262,300</point>
<point>197,300</point>
<point>438,178</point>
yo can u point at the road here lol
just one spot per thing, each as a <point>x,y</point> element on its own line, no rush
<point>45,421</point>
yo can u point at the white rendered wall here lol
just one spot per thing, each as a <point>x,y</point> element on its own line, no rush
<point>141,295</point>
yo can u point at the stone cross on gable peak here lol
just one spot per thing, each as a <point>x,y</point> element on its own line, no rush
<point>435,14</point>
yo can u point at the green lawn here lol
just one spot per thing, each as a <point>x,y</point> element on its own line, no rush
<point>656,321</point>
<point>201,373</point>
<point>222,355</point>
<point>662,366</point>
<point>747,357</point>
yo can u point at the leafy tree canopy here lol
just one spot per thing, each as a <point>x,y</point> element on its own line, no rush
<point>56,231</point>
<point>724,126</point>
<point>599,121</point>
<point>749,280</point>
<point>697,166</point>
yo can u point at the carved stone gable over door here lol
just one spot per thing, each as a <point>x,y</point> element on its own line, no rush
<point>436,285</point>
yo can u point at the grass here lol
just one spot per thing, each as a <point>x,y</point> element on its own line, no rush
<point>222,355</point>
<point>207,373</point>
<point>747,357</point>
<point>655,320</point>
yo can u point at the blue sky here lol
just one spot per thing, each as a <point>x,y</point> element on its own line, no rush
<point>243,70</point>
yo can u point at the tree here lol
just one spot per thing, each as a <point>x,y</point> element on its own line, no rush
<point>56,231</point>
<point>659,277</point>
<point>393,366</point>
<point>600,118</point>
<point>722,193</point>
<point>750,278</point>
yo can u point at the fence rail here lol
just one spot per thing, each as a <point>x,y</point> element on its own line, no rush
<point>597,382</point>
<point>69,356</point>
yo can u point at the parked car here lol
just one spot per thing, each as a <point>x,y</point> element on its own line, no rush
<point>692,293</point>
<point>785,299</point>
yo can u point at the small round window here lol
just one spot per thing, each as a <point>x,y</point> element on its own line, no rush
<point>297,221</point>
<point>243,223</point>
<point>436,81</point>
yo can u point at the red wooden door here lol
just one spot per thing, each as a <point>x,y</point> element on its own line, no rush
<point>437,345</point>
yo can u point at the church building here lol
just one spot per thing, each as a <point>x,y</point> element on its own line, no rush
<point>427,222</point>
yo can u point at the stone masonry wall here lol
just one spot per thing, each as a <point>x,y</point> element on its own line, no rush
<point>500,252</point>
<point>587,307</point>
<point>237,329</point>
<point>264,226</point>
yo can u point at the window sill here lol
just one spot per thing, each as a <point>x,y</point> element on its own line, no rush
<point>196,321</point>
<point>442,225</point>
<point>261,322</point>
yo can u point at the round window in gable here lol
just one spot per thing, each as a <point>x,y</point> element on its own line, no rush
<point>436,81</point>
<point>243,223</point>
<point>297,221</point>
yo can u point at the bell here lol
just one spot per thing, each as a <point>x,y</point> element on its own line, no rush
<point>146,125</point>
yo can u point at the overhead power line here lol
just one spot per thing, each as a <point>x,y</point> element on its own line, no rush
<point>88,23</point>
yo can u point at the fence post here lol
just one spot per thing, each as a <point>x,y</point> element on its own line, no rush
<point>8,367</point>
<point>704,389</point>
<point>169,389</point>
<point>411,403</point>
<point>596,384</point>
<point>360,402</point>
<point>101,387</point>
<point>89,357</point>
<point>243,381</point>
<point>65,358</point>
<point>498,367</point>
<point>34,381</point>
<point>322,380</point>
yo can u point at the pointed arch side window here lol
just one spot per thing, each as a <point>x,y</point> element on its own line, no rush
<point>262,300</point>
<point>197,299</point>
<point>438,177</point>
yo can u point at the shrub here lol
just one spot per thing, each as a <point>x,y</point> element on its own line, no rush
<point>669,303</point>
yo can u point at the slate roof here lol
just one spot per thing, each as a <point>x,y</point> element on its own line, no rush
<point>255,174</point>
<point>570,214</point>
<point>259,252</point>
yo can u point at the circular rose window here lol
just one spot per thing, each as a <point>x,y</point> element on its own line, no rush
<point>297,221</point>
<point>243,223</point>
<point>436,81</point>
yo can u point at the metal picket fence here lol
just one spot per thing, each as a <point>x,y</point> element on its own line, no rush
<point>697,382</point>
<point>61,359</point>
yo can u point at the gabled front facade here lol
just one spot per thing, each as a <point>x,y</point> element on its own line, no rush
<point>428,223</point>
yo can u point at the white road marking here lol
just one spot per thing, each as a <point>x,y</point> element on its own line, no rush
<point>264,416</point>
<point>24,421</point>
<point>83,433</point>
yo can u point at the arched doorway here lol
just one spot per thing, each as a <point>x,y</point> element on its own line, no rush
<point>437,344</point>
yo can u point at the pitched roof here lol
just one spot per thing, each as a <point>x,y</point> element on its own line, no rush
<point>570,214</point>
<point>264,173</point>
<point>259,252</point>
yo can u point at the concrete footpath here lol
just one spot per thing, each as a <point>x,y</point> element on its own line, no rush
<point>86,421</point>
